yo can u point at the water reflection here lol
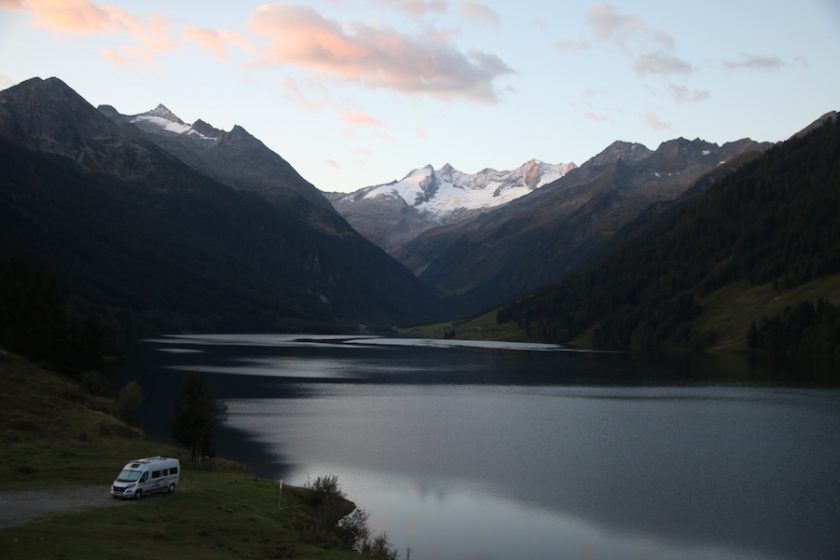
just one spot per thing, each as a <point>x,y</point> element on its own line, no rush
<point>477,454</point>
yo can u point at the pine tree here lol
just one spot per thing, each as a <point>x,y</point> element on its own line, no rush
<point>197,414</point>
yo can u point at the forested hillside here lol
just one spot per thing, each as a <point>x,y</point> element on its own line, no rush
<point>774,222</point>
<point>143,241</point>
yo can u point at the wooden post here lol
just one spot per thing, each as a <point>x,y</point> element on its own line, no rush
<point>280,494</point>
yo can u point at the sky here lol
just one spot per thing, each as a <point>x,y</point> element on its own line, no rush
<point>360,92</point>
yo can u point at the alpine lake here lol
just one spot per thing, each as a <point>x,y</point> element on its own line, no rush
<point>471,450</point>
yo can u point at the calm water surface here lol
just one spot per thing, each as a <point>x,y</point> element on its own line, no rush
<point>473,453</point>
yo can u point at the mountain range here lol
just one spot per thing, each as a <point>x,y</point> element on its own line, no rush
<point>155,225</point>
<point>540,238</point>
<point>748,259</point>
<point>394,213</point>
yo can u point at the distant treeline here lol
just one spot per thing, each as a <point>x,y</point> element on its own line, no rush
<point>774,220</point>
<point>808,329</point>
<point>37,322</point>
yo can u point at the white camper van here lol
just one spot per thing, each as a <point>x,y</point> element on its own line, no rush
<point>142,477</point>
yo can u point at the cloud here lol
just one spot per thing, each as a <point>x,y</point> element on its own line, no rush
<point>332,163</point>
<point>598,117</point>
<point>655,122</point>
<point>307,94</point>
<point>651,49</point>
<point>217,41</point>
<point>685,95</point>
<point>359,118</point>
<point>12,5</point>
<point>83,17</point>
<point>661,63</point>
<point>416,8</point>
<point>388,137</point>
<point>573,46</point>
<point>128,56</point>
<point>479,13</point>
<point>755,62</point>
<point>375,57</point>
<point>625,30</point>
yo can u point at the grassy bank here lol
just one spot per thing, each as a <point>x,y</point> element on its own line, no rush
<point>53,434</point>
<point>728,312</point>
<point>483,327</point>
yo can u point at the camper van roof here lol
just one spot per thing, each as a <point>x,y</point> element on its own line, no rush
<point>146,460</point>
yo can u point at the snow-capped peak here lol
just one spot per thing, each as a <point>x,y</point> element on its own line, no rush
<point>161,120</point>
<point>163,112</point>
<point>445,192</point>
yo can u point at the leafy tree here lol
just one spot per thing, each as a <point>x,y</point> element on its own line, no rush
<point>197,414</point>
<point>129,400</point>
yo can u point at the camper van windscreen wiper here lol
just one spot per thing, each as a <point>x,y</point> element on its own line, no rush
<point>128,476</point>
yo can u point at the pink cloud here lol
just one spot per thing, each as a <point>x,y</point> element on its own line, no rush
<point>83,17</point>
<point>375,57</point>
<point>127,56</point>
<point>332,163</point>
<point>600,117</point>
<point>479,13</point>
<point>358,118</point>
<point>12,5</point>
<point>655,122</point>
<point>386,136</point>
<point>417,8</point>
<point>217,41</point>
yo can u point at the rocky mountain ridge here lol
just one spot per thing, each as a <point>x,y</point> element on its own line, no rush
<point>149,231</point>
<point>537,239</point>
<point>392,214</point>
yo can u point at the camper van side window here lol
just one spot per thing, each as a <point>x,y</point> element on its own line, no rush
<point>173,470</point>
<point>155,474</point>
<point>145,477</point>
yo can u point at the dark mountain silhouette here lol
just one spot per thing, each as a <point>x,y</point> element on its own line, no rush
<point>153,242</point>
<point>770,227</point>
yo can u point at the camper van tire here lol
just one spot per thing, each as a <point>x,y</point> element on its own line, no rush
<point>138,495</point>
<point>172,488</point>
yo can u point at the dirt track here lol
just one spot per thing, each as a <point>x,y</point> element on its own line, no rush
<point>18,507</point>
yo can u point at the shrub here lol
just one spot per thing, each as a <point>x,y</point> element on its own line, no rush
<point>129,400</point>
<point>94,382</point>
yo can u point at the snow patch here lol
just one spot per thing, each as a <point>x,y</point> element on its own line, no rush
<point>457,191</point>
<point>165,124</point>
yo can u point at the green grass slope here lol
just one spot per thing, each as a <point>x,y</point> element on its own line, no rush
<point>54,434</point>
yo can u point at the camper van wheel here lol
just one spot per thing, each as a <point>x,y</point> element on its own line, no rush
<point>138,495</point>
<point>171,488</point>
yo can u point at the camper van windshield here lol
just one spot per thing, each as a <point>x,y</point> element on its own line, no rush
<point>128,476</point>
